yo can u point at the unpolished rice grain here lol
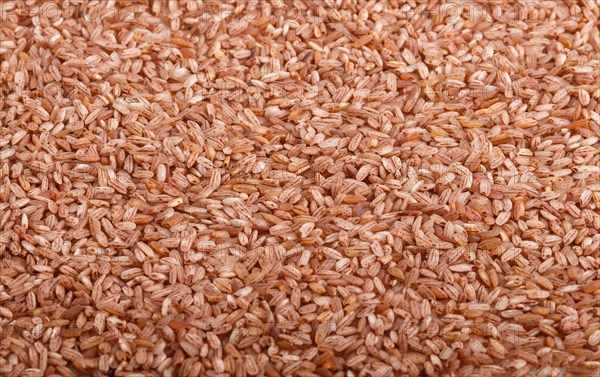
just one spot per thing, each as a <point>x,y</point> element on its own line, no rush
<point>299,188</point>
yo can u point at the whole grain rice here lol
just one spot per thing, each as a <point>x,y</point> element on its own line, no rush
<point>299,188</point>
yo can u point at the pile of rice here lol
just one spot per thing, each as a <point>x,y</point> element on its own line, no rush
<point>299,188</point>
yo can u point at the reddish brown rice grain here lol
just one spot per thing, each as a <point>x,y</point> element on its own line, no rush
<point>299,188</point>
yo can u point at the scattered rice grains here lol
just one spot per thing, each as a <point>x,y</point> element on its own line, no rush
<point>307,188</point>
